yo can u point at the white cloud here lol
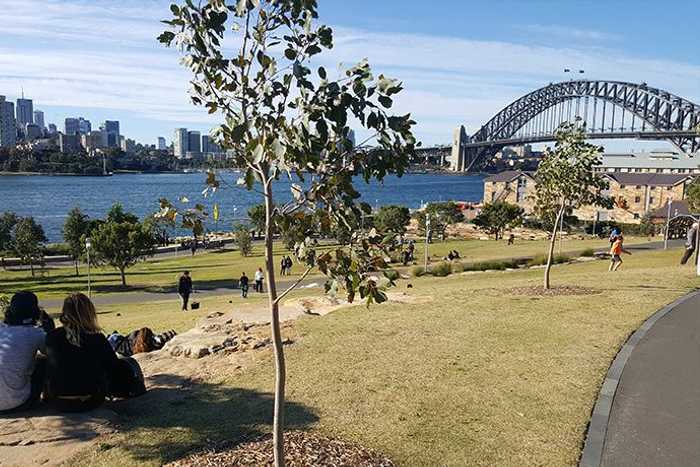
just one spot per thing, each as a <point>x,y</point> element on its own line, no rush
<point>569,33</point>
<point>104,55</point>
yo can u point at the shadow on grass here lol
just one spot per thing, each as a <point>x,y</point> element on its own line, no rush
<point>179,416</point>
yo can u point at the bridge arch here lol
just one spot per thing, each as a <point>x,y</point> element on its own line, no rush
<point>534,118</point>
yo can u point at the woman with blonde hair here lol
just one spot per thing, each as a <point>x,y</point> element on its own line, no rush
<point>80,360</point>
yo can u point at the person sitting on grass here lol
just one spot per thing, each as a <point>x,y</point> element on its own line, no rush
<point>80,360</point>
<point>22,370</point>
<point>140,341</point>
<point>615,252</point>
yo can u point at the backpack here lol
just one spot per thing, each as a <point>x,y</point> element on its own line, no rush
<point>127,380</point>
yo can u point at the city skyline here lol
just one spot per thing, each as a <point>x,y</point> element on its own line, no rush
<point>455,71</point>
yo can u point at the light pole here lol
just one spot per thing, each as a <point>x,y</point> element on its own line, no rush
<point>427,237</point>
<point>668,224</point>
<point>88,246</point>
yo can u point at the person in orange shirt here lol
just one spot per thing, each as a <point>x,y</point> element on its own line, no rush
<point>616,251</point>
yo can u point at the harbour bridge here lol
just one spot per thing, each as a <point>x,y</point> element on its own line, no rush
<point>608,109</point>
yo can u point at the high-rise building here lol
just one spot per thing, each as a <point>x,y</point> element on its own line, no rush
<point>162,145</point>
<point>69,144</point>
<point>92,141</point>
<point>8,126</point>
<point>110,134</point>
<point>127,145</point>
<point>25,112</point>
<point>33,131</point>
<point>71,126</point>
<point>52,129</point>
<point>180,143</point>
<point>84,126</point>
<point>39,119</point>
<point>195,142</point>
<point>205,144</point>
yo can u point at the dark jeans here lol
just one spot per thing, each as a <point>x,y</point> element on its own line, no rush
<point>687,254</point>
<point>259,286</point>
<point>185,300</point>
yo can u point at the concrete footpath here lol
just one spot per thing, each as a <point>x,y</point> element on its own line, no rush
<point>655,415</point>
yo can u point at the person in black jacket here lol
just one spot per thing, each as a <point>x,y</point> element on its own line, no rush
<point>184,289</point>
<point>80,361</point>
<point>243,283</point>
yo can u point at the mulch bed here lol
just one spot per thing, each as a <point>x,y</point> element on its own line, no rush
<point>540,291</point>
<point>301,449</point>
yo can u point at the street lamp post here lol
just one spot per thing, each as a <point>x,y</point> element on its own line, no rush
<point>88,246</point>
<point>427,237</point>
<point>668,224</point>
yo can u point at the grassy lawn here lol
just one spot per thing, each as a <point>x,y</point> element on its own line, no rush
<point>213,270</point>
<point>475,376</point>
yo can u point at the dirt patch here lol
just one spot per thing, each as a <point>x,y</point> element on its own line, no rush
<point>540,291</point>
<point>301,449</point>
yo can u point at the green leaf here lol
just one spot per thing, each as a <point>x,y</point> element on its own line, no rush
<point>385,101</point>
<point>322,72</point>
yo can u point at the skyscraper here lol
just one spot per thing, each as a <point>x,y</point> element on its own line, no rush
<point>52,129</point>
<point>180,142</point>
<point>205,144</point>
<point>111,133</point>
<point>84,126</point>
<point>25,112</point>
<point>8,126</point>
<point>39,118</point>
<point>162,145</point>
<point>195,142</point>
<point>71,126</point>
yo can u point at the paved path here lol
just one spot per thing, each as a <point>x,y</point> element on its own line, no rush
<point>655,416</point>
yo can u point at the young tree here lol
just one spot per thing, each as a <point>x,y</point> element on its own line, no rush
<point>282,121</point>
<point>693,195</point>
<point>8,220</point>
<point>566,180</point>
<point>256,217</point>
<point>392,219</point>
<point>121,241</point>
<point>75,230</point>
<point>494,218</point>
<point>243,239</point>
<point>28,241</point>
<point>441,215</point>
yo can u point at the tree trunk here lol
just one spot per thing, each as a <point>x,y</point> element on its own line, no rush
<point>31,266</point>
<point>77,272</point>
<point>552,242</point>
<point>280,367</point>
<point>123,276</point>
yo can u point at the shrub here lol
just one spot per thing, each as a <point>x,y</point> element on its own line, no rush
<point>443,269</point>
<point>57,249</point>
<point>457,267</point>
<point>418,271</point>
<point>537,260</point>
<point>244,240</point>
<point>588,252</point>
<point>559,259</point>
<point>392,274</point>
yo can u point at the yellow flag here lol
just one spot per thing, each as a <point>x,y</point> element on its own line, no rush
<point>216,213</point>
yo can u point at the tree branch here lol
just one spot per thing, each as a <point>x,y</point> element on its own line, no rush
<point>294,285</point>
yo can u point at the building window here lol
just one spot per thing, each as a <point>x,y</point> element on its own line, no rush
<point>636,215</point>
<point>638,187</point>
<point>493,196</point>
<point>637,199</point>
<point>651,200</point>
<point>652,188</point>
<point>622,187</point>
<point>669,188</point>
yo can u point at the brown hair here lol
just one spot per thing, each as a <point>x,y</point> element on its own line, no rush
<point>144,341</point>
<point>78,316</point>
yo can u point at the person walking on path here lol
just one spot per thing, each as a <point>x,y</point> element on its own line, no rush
<point>690,243</point>
<point>184,289</point>
<point>288,265</point>
<point>259,280</point>
<point>615,252</point>
<point>283,266</point>
<point>243,284</point>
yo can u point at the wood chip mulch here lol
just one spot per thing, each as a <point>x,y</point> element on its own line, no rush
<point>301,449</point>
<point>553,292</point>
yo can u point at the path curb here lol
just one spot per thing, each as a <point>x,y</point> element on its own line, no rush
<point>592,454</point>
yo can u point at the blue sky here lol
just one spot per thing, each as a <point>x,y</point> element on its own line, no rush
<point>461,61</point>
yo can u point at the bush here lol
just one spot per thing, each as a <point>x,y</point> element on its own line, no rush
<point>244,240</point>
<point>537,260</point>
<point>559,259</point>
<point>57,249</point>
<point>443,269</point>
<point>457,267</point>
<point>392,274</point>
<point>588,252</point>
<point>418,271</point>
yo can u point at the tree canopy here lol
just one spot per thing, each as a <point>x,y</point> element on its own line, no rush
<point>495,217</point>
<point>75,230</point>
<point>392,219</point>
<point>28,241</point>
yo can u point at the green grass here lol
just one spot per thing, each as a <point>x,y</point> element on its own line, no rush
<point>212,270</point>
<point>469,375</point>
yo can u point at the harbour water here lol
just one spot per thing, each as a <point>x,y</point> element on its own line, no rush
<point>49,198</point>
